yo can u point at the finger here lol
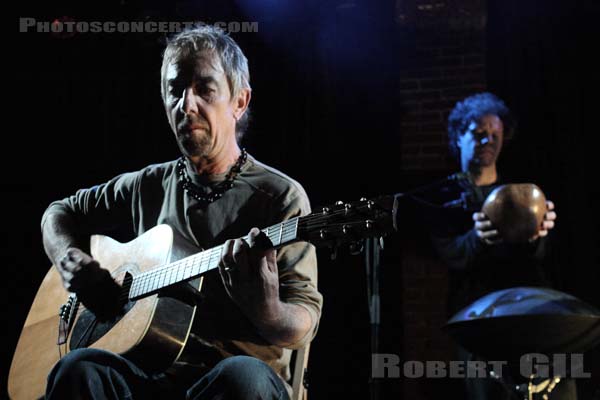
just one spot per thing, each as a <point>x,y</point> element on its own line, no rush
<point>69,265</point>
<point>491,235</point>
<point>67,260</point>
<point>225,278</point>
<point>550,216</point>
<point>479,216</point>
<point>542,233</point>
<point>547,225</point>
<point>240,254</point>
<point>260,242</point>
<point>74,259</point>
<point>67,278</point>
<point>223,269</point>
<point>493,241</point>
<point>549,205</point>
<point>227,256</point>
<point>252,235</point>
<point>483,225</point>
<point>271,256</point>
<point>63,263</point>
<point>77,256</point>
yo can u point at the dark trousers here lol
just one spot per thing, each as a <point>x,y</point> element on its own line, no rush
<point>92,374</point>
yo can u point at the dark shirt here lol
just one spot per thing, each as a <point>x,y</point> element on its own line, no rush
<point>475,268</point>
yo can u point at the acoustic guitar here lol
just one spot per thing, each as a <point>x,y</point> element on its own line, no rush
<point>153,324</point>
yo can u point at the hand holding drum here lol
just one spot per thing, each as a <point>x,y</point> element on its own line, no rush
<point>514,213</point>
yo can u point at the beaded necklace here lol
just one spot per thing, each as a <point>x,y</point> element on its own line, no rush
<point>196,193</point>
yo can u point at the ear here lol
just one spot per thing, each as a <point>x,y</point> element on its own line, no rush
<point>241,102</point>
<point>459,142</point>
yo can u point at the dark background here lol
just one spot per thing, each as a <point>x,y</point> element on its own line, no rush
<point>325,94</point>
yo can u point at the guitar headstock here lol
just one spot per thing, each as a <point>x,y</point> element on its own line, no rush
<point>347,222</point>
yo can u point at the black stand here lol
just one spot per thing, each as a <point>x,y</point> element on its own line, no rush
<point>373,248</point>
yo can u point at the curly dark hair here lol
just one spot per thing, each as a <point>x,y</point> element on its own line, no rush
<point>471,109</point>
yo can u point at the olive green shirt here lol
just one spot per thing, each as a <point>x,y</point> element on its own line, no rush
<point>261,196</point>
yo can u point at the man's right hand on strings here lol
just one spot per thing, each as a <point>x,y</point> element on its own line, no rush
<point>93,284</point>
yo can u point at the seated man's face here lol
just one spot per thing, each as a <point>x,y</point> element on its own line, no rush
<point>199,106</point>
<point>481,144</point>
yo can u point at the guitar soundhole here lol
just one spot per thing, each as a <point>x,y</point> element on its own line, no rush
<point>88,328</point>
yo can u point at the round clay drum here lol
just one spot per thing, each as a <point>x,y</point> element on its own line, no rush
<point>516,210</point>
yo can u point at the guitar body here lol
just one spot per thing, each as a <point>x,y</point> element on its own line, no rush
<point>152,331</point>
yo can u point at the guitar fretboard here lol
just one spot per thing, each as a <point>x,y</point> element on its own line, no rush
<point>191,267</point>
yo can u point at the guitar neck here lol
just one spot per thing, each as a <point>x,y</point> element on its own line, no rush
<point>191,267</point>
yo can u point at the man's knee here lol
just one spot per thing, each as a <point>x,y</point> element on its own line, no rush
<point>79,365</point>
<point>84,371</point>
<point>240,376</point>
<point>72,361</point>
<point>246,373</point>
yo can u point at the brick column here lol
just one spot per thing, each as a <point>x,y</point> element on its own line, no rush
<point>443,63</point>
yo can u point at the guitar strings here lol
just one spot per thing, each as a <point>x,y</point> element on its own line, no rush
<point>307,222</point>
<point>149,277</point>
<point>287,226</point>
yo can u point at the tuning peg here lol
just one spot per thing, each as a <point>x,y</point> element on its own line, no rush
<point>346,229</point>
<point>323,234</point>
<point>326,210</point>
<point>368,224</point>
<point>339,203</point>
<point>363,199</point>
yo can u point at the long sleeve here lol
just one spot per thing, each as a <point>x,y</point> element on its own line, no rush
<point>100,208</point>
<point>459,252</point>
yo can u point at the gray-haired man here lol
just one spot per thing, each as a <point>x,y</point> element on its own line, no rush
<point>260,304</point>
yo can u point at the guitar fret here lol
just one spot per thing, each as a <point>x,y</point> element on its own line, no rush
<point>215,257</point>
<point>156,278</point>
<point>168,276</point>
<point>133,288</point>
<point>144,284</point>
<point>173,274</point>
<point>280,233</point>
<point>200,261</point>
<point>151,283</point>
<point>206,260</point>
<point>162,276</point>
<point>188,269</point>
<point>179,273</point>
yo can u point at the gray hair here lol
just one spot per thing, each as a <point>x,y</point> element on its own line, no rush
<point>200,38</point>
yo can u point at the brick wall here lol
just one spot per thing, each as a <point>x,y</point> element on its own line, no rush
<point>443,63</point>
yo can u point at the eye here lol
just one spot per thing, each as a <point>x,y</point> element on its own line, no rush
<point>176,89</point>
<point>204,90</point>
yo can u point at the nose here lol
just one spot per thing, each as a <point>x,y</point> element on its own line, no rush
<point>487,137</point>
<point>187,103</point>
